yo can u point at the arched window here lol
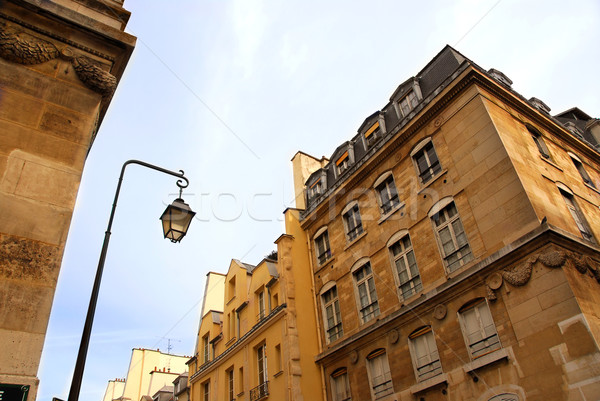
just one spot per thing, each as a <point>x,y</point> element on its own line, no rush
<point>332,318</point>
<point>425,356</point>
<point>340,386</point>
<point>478,328</point>
<point>450,234</point>
<point>366,294</point>
<point>404,264</point>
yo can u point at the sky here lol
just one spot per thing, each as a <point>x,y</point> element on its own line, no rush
<point>229,91</point>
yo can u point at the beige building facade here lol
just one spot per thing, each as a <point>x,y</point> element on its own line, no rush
<point>261,343</point>
<point>454,245</point>
<point>151,374</point>
<point>60,62</point>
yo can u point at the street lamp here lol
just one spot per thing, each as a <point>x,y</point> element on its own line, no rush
<point>175,220</point>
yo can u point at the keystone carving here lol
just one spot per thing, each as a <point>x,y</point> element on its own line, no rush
<point>20,47</point>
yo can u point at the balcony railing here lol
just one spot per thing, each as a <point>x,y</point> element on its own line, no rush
<point>259,392</point>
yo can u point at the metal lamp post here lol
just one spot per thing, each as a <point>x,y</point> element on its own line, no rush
<point>176,221</point>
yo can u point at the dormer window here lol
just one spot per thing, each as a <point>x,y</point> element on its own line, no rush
<point>315,189</point>
<point>408,102</point>
<point>372,134</point>
<point>342,163</point>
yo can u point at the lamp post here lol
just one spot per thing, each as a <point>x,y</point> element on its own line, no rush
<point>176,221</point>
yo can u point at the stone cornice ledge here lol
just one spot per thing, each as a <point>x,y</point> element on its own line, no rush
<point>529,238</point>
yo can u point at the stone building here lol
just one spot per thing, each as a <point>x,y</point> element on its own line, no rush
<point>260,340</point>
<point>60,62</point>
<point>454,245</point>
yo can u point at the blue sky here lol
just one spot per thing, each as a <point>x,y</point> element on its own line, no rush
<point>228,91</point>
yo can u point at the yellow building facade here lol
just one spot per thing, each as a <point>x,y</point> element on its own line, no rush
<point>454,245</point>
<point>253,347</point>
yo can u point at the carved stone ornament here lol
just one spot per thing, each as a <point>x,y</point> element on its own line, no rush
<point>23,48</point>
<point>393,336</point>
<point>20,47</point>
<point>553,259</point>
<point>354,357</point>
<point>93,76</point>
<point>520,275</point>
<point>440,312</point>
<point>495,281</point>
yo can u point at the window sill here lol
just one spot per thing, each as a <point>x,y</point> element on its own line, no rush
<point>325,264</point>
<point>486,360</point>
<point>355,240</point>
<point>232,298</point>
<point>429,383</point>
<point>240,394</point>
<point>278,373</point>
<point>550,162</point>
<point>431,181</point>
<point>231,341</point>
<point>391,212</point>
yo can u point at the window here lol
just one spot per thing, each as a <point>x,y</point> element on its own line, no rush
<point>372,134</point>
<point>231,288</point>
<point>387,195</point>
<point>579,166</point>
<point>426,360</point>
<point>205,349</point>
<point>426,161</point>
<point>342,163</point>
<point>315,189</point>
<point>331,314</point>
<point>407,272</point>
<point>322,246</point>
<point>539,142</point>
<point>408,103</point>
<point>230,388</point>
<point>367,296</point>
<point>279,367</point>
<point>260,297</point>
<point>478,328</point>
<point>352,222</point>
<point>580,221</point>
<point>240,380</point>
<point>451,236</point>
<point>262,390</point>
<point>340,387</point>
<point>379,374</point>
<point>206,391</point>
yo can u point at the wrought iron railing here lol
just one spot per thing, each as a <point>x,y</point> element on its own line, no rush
<point>260,391</point>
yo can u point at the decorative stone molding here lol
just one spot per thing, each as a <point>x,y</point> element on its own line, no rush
<point>93,76</point>
<point>23,48</point>
<point>520,275</point>
<point>393,336</point>
<point>353,357</point>
<point>440,311</point>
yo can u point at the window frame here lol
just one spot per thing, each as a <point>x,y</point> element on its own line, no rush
<point>477,306</point>
<point>386,183</point>
<point>414,280</point>
<point>230,384</point>
<point>324,256</point>
<point>336,315</point>
<point>580,221</point>
<point>261,362</point>
<point>433,169</point>
<point>464,251</point>
<point>351,214</point>
<point>206,348</point>
<point>371,310</point>
<point>425,333</point>
<point>379,357</point>
<point>206,390</point>
<point>340,374</point>
<point>587,180</point>
<point>540,143</point>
